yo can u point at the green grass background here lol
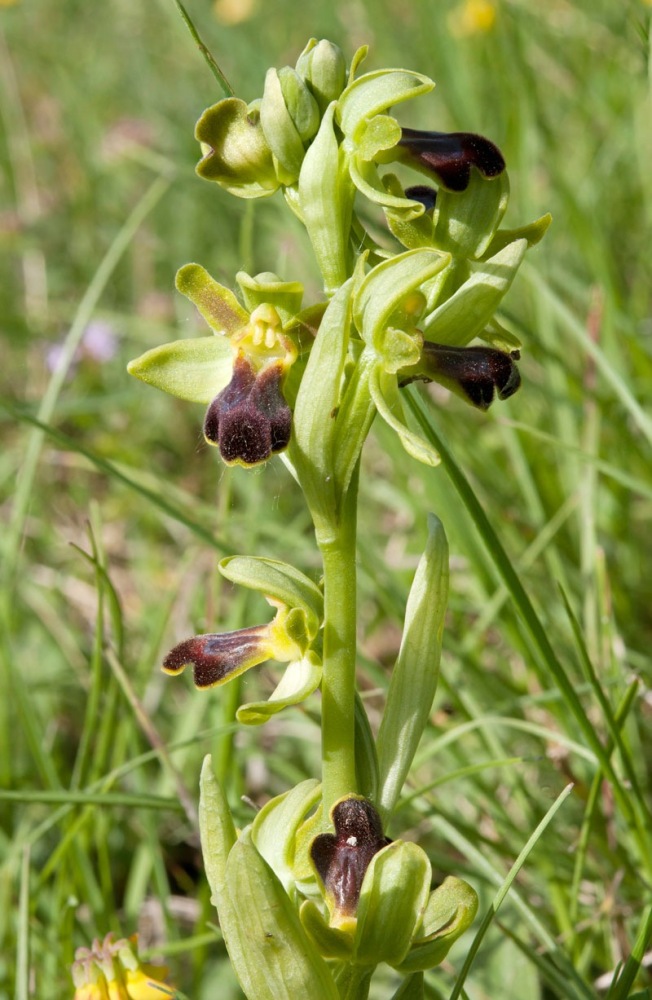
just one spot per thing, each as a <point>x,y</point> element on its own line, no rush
<point>114,512</point>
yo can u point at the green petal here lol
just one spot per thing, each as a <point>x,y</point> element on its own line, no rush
<point>466,313</point>
<point>299,680</point>
<point>272,956</point>
<point>217,304</point>
<point>278,580</point>
<point>374,93</point>
<point>196,369</point>
<point>274,829</point>
<point>414,677</point>
<point>393,896</point>
<point>385,394</point>
<point>379,133</point>
<point>267,287</point>
<point>414,232</point>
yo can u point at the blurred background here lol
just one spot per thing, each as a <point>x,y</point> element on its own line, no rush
<point>115,511</point>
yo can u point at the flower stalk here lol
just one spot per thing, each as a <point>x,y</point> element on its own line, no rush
<point>305,383</point>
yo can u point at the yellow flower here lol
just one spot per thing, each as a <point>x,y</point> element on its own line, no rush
<point>472,17</point>
<point>111,970</point>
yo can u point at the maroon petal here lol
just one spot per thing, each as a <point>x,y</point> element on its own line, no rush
<point>216,657</point>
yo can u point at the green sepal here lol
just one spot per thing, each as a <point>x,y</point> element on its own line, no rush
<point>369,183</point>
<point>468,311</point>
<point>495,334</point>
<point>323,66</point>
<point>274,829</point>
<point>268,288</point>
<point>373,93</point>
<point>414,677</point>
<point>380,133</point>
<point>385,289</point>
<point>301,105</point>
<point>196,369</point>
<point>465,222</point>
<point>298,681</point>
<point>533,232</point>
<point>271,953</point>
<point>359,57</point>
<point>326,195</point>
<point>280,581</point>
<point>311,445</point>
<point>332,942</point>
<point>280,131</point>
<point>384,392</point>
<point>236,153</point>
<point>217,304</point>
<point>450,910</point>
<point>413,231</point>
<point>392,899</point>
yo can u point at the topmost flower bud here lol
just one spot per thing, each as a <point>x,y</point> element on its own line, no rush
<point>323,66</point>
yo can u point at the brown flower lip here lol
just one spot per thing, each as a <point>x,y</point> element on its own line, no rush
<point>477,373</point>
<point>341,859</point>
<point>216,657</point>
<point>250,420</point>
<point>450,155</point>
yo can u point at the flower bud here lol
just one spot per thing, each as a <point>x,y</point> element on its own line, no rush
<point>323,66</point>
<point>290,118</point>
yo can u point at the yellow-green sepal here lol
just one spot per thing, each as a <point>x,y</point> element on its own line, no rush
<point>195,369</point>
<point>465,222</point>
<point>385,395</point>
<point>267,288</point>
<point>450,910</point>
<point>373,93</point>
<point>275,827</point>
<point>281,582</point>
<point>236,153</point>
<point>332,942</point>
<point>468,311</point>
<point>392,900</point>
<point>300,678</point>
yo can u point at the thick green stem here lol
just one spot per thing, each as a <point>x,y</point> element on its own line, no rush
<point>338,678</point>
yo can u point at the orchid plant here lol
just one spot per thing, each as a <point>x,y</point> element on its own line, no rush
<point>312,896</point>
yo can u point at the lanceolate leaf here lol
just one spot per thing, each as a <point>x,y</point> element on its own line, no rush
<point>414,678</point>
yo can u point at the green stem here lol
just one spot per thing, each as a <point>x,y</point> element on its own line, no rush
<point>338,678</point>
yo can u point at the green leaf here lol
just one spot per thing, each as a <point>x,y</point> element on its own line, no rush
<point>196,369</point>
<point>299,680</point>
<point>466,313</point>
<point>271,953</point>
<point>274,828</point>
<point>414,678</point>
<point>393,895</point>
<point>374,93</point>
<point>450,910</point>
<point>217,833</point>
<point>466,221</point>
<point>411,988</point>
<point>217,304</point>
<point>278,580</point>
